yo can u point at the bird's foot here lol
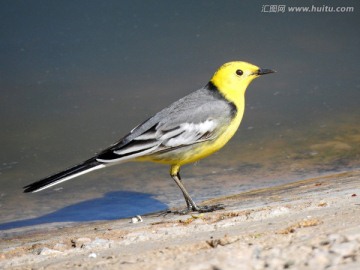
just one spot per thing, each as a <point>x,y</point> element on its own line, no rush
<point>210,208</point>
<point>199,209</point>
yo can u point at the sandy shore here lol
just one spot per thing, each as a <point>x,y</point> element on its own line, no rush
<point>309,224</point>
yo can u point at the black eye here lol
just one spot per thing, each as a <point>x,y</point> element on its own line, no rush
<point>239,72</point>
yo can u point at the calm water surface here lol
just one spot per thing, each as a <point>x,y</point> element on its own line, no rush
<point>77,76</point>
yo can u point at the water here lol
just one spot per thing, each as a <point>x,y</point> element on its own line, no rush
<point>76,76</point>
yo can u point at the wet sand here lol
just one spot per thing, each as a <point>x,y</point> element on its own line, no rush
<point>308,224</point>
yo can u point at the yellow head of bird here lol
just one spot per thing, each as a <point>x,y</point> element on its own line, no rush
<point>233,78</point>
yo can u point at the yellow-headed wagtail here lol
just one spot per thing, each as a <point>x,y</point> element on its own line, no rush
<point>190,129</point>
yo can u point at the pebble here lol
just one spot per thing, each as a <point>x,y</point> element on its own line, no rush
<point>87,243</point>
<point>47,251</point>
<point>279,211</point>
<point>136,219</point>
<point>319,259</point>
<point>92,255</point>
<point>337,238</point>
<point>98,242</point>
<point>344,249</point>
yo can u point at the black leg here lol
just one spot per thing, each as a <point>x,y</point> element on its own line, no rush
<point>191,205</point>
<point>188,203</point>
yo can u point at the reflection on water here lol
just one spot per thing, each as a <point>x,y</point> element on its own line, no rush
<point>75,78</point>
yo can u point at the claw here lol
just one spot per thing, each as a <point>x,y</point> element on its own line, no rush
<point>210,208</point>
<point>199,209</point>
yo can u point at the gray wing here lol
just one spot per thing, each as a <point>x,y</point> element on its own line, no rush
<point>195,118</point>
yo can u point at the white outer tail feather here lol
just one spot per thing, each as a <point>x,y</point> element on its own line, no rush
<point>100,166</point>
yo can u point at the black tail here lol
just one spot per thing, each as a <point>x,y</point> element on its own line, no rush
<point>87,166</point>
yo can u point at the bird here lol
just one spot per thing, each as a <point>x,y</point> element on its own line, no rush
<point>188,130</point>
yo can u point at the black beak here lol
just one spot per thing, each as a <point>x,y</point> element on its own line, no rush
<point>263,71</point>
